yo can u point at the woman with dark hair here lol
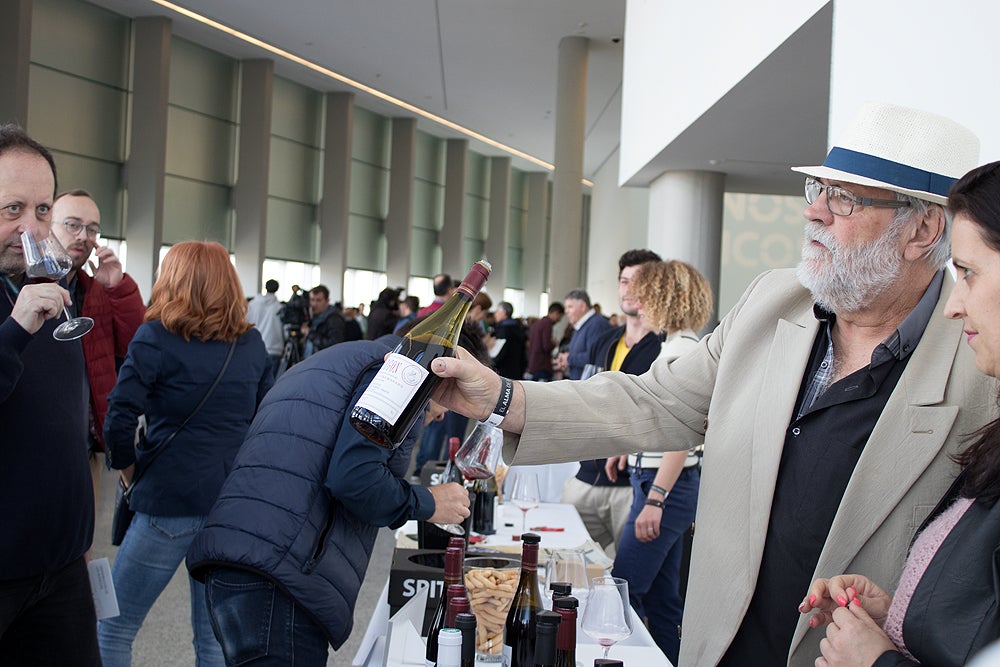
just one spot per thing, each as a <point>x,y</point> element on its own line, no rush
<point>195,331</point>
<point>945,607</point>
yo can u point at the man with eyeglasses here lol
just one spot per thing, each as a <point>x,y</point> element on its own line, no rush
<point>46,607</point>
<point>829,398</point>
<point>111,298</point>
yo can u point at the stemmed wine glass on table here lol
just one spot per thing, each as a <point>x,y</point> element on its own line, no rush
<point>524,494</point>
<point>47,261</point>
<point>608,616</point>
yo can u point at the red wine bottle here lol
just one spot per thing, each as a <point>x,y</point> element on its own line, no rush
<point>451,471</point>
<point>546,628</point>
<point>483,510</point>
<point>519,629</point>
<point>453,560</point>
<point>457,604</point>
<point>566,607</point>
<point>399,392</point>
<point>466,623</point>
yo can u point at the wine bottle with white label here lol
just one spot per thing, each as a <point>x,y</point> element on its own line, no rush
<point>399,392</point>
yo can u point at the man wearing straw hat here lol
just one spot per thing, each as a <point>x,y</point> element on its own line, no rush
<point>829,398</point>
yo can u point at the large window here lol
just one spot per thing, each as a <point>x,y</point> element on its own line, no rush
<point>362,287</point>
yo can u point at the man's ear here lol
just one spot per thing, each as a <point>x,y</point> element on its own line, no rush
<point>929,228</point>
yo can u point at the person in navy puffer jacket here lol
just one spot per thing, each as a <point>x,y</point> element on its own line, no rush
<point>284,551</point>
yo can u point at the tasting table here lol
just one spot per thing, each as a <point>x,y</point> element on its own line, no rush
<point>637,649</point>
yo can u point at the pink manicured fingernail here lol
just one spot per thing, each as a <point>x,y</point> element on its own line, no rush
<point>857,602</point>
<point>812,600</point>
<point>842,601</point>
<point>813,622</point>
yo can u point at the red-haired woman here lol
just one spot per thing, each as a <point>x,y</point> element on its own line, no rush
<point>197,314</point>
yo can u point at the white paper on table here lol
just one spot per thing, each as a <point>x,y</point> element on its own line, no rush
<point>103,588</point>
<point>404,646</point>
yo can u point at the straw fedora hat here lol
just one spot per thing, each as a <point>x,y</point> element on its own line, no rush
<point>900,149</point>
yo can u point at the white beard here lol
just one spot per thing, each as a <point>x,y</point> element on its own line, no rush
<point>847,279</point>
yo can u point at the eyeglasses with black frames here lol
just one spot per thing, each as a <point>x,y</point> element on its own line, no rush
<point>842,202</point>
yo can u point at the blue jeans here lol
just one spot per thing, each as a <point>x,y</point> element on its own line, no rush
<point>49,619</point>
<point>435,438</point>
<point>153,548</point>
<point>653,569</point>
<point>257,624</point>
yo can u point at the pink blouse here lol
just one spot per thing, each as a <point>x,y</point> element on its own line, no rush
<point>924,548</point>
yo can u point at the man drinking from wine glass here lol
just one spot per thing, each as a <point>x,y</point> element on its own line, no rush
<point>111,298</point>
<point>46,609</point>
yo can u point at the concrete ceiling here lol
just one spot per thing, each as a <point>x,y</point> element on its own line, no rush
<point>488,65</point>
<point>491,66</point>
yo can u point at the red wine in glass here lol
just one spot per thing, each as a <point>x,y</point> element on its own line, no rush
<point>46,262</point>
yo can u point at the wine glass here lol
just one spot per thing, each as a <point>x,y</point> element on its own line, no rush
<point>568,566</point>
<point>608,616</point>
<point>46,261</point>
<point>478,456</point>
<point>524,494</point>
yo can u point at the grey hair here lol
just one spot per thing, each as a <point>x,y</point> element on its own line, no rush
<point>579,295</point>
<point>940,252</point>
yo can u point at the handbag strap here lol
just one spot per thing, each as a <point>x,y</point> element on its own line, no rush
<point>159,449</point>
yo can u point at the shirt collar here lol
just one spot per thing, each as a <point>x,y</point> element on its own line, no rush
<point>904,339</point>
<point>586,316</point>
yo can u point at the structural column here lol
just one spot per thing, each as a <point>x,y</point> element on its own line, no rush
<point>250,192</point>
<point>399,221</point>
<point>565,270</point>
<point>453,228</point>
<point>334,207</point>
<point>685,220</point>
<point>498,238</point>
<point>536,242</point>
<point>15,60</point>
<point>146,166</point>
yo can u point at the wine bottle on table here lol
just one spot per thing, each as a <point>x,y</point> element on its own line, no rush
<point>454,557</point>
<point>466,623</point>
<point>559,589</point>
<point>566,607</point>
<point>399,392</point>
<point>482,512</point>
<point>450,651</point>
<point>457,604</point>
<point>519,629</point>
<point>451,471</point>
<point>546,629</point>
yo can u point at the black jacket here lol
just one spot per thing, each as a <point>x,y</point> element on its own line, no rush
<point>307,491</point>
<point>512,359</point>
<point>953,612</point>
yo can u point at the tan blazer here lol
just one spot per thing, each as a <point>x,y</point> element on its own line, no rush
<point>737,390</point>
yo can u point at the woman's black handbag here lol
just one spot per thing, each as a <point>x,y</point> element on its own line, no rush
<point>123,513</point>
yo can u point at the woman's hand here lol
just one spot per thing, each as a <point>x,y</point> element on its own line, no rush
<point>826,595</point>
<point>853,639</point>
